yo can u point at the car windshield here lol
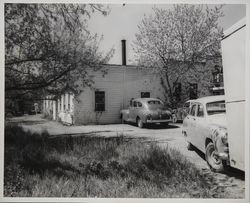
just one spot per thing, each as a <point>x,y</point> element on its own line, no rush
<point>216,107</point>
<point>153,104</point>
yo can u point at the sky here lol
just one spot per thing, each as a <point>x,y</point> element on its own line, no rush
<point>122,22</point>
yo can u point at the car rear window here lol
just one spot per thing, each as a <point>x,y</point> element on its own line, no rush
<point>216,107</point>
<point>152,104</point>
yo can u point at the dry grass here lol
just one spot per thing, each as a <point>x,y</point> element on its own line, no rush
<point>41,166</point>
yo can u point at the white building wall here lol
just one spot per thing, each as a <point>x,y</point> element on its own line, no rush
<point>120,84</point>
<point>66,101</point>
<point>71,103</point>
<point>54,109</point>
<point>64,113</point>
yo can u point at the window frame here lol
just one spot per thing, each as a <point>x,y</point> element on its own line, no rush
<point>145,93</point>
<point>98,109</point>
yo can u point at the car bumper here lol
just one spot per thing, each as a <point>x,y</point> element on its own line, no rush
<point>159,121</point>
<point>223,156</point>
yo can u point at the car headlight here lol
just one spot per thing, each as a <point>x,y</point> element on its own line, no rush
<point>223,136</point>
<point>149,117</point>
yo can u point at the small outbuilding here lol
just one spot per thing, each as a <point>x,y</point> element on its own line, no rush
<point>101,103</point>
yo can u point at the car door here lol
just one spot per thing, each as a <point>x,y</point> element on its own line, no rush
<point>200,127</point>
<point>191,124</point>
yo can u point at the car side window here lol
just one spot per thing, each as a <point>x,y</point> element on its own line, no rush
<point>134,103</point>
<point>139,104</point>
<point>200,111</point>
<point>192,111</point>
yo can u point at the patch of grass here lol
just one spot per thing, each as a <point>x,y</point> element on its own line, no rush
<point>44,166</point>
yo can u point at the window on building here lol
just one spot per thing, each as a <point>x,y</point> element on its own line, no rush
<point>145,94</point>
<point>68,101</point>
<point>193,91</point>
<point>177,90</point>
<point>99,101</point>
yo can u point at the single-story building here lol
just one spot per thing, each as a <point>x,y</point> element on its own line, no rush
<point>101,103</point>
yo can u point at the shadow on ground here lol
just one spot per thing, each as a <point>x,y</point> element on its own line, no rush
<point>29,122</point>
<point>157,126</point>
<point>229,171</point>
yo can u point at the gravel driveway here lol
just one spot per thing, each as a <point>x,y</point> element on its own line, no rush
<point>231,181</point>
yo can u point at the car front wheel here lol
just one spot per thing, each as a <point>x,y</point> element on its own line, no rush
<point>140,124</point>
<point>213,160</point>
<point>174,118</point>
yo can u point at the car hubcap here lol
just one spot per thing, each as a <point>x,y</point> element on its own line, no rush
<point>140,123</point>
<point>213,159</point>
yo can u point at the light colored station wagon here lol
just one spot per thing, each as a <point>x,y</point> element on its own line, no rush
<point>145,111</point>
<point>205,128</point>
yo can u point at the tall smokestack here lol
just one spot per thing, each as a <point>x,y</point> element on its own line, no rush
<point>124,63</point>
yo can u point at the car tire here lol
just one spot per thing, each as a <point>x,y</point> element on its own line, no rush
<point>140,123</point>
<point>190,147</point>
<point>174,120</point>
<point>213,161</point>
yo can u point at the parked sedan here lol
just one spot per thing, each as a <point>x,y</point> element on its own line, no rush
<point>205,128</point>
<point>146,110</point>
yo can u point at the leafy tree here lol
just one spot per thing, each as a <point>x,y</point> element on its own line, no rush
<point>48,48</point>
<point>177,42</point>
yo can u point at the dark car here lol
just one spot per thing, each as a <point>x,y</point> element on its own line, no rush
<point>146,111</point>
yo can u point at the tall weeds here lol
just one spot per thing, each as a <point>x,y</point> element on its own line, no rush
<point>39,165</point>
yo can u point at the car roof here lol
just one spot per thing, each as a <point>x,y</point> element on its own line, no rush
<point>210,99</point>
<point>191,100</point>
<point>146,99</point>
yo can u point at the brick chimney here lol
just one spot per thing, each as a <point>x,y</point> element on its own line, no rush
<point>124,63</point>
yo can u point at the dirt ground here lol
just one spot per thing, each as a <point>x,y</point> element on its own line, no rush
<point>232,181</point>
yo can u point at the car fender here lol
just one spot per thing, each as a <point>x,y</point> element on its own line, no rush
<point>215,135</point>
<point>142,114</point>
<point>124,114</point>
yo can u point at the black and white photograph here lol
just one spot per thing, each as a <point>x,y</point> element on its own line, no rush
<point>124,100</point>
